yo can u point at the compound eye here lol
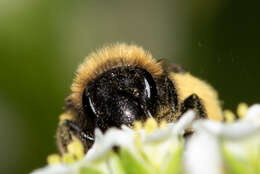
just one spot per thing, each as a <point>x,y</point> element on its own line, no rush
<point>92,106</point>
<point>150,94</point>
<point>147,88</point>
<point>88,105</point>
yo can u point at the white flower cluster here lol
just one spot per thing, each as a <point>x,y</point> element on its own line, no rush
<point>214,148</point>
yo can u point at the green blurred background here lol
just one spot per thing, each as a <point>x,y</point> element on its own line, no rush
<point>42,43</point>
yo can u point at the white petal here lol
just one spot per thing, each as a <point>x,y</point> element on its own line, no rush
<point>54,169</point>
<point>185,121</point>
<point>244,148</point>
<point>159,135</point>
<point>113,137</point>
<point>253,115</point>
<point>202,154</point>
<point>236,130</point>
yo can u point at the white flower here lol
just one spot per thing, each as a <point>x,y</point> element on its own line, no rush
<point>241,139</point>
<point>213,147</point>
<point>113,137</point>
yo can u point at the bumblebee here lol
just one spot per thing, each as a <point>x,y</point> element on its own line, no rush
<point>122,83</point>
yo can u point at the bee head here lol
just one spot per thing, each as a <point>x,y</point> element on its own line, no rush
<point>119,96</point>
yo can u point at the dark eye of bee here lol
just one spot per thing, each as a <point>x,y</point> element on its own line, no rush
<point>120,96</point>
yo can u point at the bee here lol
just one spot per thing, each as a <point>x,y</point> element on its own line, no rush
<point>122,83</point>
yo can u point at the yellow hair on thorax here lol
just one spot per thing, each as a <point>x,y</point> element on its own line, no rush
<point>187,85</point>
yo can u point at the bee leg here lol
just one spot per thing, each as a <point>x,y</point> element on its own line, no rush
<point>194,102</point>
<point>64,137</point>
<point>69,131</point>
<point>76,130</point>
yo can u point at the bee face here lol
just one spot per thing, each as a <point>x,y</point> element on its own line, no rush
<point>121,84</point>
<point>120,96</point>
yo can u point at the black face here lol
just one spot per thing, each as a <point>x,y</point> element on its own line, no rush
<point>120,96</point>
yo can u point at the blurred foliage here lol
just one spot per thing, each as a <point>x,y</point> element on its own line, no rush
<point>226,47</point>
<point>42,42</point>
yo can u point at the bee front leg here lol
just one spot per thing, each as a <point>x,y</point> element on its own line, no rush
<point>67,132</point>
<point>64,136</point>
<point>195,103</point>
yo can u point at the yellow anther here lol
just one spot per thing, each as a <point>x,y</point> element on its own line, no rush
<point>137,125</point>
<point>150,125</point>
<point>138,142</point>
<point>53,159</point>
<point>163,124</point>
<point>76,148</point>
<point>68,158</point>
<point>242,110</point>
<point>229,116</point>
